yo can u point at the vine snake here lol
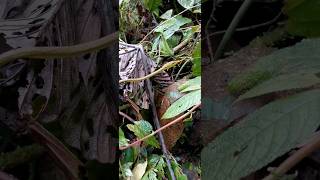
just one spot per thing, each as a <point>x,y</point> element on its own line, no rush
<point>58,52</point>
<point>166,66</point>
<point>67,51</point>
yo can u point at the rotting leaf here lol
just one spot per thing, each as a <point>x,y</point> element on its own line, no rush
<point>26,20</point>
<point>27,94</point>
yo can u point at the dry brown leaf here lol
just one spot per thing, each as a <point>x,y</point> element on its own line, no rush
<point>173,133</point>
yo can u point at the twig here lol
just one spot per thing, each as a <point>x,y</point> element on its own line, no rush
<point>135,107</point>
<point>249,27</point>
<point>206,30</point>
<point>127,117</point>
<point>183,65</point>
<point>58,52</point>
<point>303,152</point>
<point>181,45</point>
<point>234,23</point>
<point>160,129</point>
<point>157,124</point>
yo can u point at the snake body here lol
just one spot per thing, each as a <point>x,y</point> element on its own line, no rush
<point>58,52</point>
<point>166,66</point>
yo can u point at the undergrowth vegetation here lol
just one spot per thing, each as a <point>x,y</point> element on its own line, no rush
<point>168,32</point>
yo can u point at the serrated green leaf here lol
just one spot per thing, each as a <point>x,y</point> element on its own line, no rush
<point>301,58</point>
<point>150,175</point>
<point>141,129</point>
<point>183,104</point>
<point>156,166</point>
<point>123,141</point>
<point>262,136</point>
<point>126,169</point>
<point>157,162</point>
<point>282,83</point>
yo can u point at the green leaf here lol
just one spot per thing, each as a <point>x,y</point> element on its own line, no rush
<point>187,4</point>
<point>155,43</point>
<point>152,5</point>
<point>191,85</point>
<point>157,162</point>
<point>130,154</point>
<point>174,40</point>
<point>301,58</point>
<point>165,49</point>
<point>282,83</point>
<point>196,55</point>
<point>167,14</point>
<point>126,169</point>
<point>262,136</point>
<point>123,141</point>
<point>303,17</point>
<point>169,27</point>
<point>178,171</point>
<point>156,166</point>
<point>183,104</point>
<point>141,129</point>
<point>150,175</point>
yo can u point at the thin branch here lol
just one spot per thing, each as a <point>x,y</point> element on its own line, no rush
<point>311,146</point>
<point>183,65</point>
<point>234,23</point>
<point>249,27</point>
<point>135,107</point>
<point>127,117</point>
<point>207,29</point>
<point>160,129</point>
<point>157,124</point>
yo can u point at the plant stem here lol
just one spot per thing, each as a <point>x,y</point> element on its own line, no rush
<point>126,116</point>
<point>303,152</point>
<point>234,23</point>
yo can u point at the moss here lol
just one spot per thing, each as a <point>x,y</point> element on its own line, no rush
<point>20,156</point>
<point>246,81</point>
